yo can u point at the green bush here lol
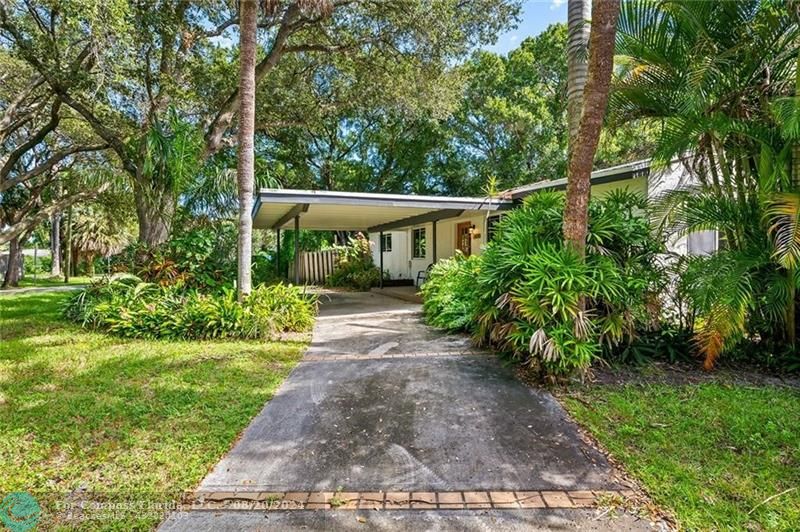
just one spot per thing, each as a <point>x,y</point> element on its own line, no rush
<point>356,268</point>
<point>534,291</point>
<point>530,296</point>
<point>201,257</point>
<point>128,307</point>
<point>43,264</point>
<point>449,295</point>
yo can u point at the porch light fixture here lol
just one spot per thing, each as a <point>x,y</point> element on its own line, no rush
<point>473,232</point>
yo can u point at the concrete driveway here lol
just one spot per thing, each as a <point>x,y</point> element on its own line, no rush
<point>387,413</point>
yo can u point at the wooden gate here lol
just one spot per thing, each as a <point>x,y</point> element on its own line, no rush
<point>315,266</point>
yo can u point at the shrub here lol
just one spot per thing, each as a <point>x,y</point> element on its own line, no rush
<point>530,296</point>
<point>356,268</point>
<point>534,291</point>
<point>200,257</point>
<point>43,264</point>
<point>668,343</point>
<point>449,295</point>
<point>128,307</point>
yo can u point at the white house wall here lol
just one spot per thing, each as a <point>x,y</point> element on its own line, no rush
<point>401,265</point>
<point>395,261</point>
<point>400,262</point>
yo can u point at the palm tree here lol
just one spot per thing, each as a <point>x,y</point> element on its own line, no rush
<point>97,232</point>
<point>583,144</point>
<point>248,23</point>
<point>577,47</point>
<point>722,79</point>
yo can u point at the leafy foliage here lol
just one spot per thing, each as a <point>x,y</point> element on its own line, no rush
<point>356,268</point>
<point>530,296</point>
<point>128,307</point>
<point>201,257</point>
<point>449,295</point>
<point>722,78</point>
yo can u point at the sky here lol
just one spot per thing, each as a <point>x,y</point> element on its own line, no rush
<point>535,17</point>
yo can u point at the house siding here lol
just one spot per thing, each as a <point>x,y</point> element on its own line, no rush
<point>401,265</point>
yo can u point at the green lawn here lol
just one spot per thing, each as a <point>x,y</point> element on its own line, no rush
<point>112,420</point>
<point>710,453</point>
<point>44,280</point>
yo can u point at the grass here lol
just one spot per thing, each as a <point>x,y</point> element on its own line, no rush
<point>44,280</point>
<point>712,454</point>
<point>89,417</point>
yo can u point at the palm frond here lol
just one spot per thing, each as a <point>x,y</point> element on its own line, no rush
<point>784,213</point>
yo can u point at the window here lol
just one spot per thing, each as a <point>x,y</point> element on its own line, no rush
<point>491,229</point>
<point>386,243</point>
<point>702,243</point>
<point>419,243</point>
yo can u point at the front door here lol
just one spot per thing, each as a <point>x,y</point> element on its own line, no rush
<point>464,238</point>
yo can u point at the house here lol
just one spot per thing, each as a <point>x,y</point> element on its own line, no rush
<point>414,231</point>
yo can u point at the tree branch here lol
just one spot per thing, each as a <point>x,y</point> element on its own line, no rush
<point>8,233</point>
<point>224,118</point>
<point>11,109</point>
<point>35,139</point>
<point>48,165</point>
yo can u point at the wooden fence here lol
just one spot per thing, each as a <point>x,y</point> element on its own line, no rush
<point>315,266</point>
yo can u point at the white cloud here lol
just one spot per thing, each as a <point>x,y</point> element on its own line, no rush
<point>555,4</point>
<point>514,38</point>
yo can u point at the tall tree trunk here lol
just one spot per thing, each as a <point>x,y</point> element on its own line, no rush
<point>68,247</point>
<point>11,277</point>
<point>248,15</point>
<point>595,99</point>
<point>55,244</point>
<point>75,261</point>
<point>154,212</point>
<point>577,48</point>
<point>791,323</point>
<point>90,264</point>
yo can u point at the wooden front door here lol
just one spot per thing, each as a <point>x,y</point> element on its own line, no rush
<point>464,238</point>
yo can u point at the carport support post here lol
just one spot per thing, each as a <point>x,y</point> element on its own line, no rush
<point>297,250</point>
<point>278,251</point>
<point>433,242</point>
<point>380,246</point>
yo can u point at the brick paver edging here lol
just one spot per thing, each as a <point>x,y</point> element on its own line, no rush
<point>401,500</point>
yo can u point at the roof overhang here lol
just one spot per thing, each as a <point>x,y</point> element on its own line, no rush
<point>360,211</point>
<point>606,175</point>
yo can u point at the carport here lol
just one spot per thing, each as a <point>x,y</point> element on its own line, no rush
<point>319,210</point>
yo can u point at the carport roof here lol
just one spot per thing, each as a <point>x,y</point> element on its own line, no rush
<point>360,211</point>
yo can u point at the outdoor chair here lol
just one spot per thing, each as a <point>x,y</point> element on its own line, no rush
<point>422,275</point>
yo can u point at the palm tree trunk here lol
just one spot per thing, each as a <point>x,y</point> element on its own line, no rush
<point>248,13</point>
<point>791,326</point>
<point>577,45</point>
<point>68,248</point>
<point>595,99</point>
<point>55,245</point>
<point>90,264</point>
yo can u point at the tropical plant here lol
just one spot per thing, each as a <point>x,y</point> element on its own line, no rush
<point>449,295</point>
<point>355,268</point>
<point>530,295</point>
<point>200,256</point>
<point>98,232</point>
<point>722,78</point>
<point>540,301</point>
<point>127,306</point>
